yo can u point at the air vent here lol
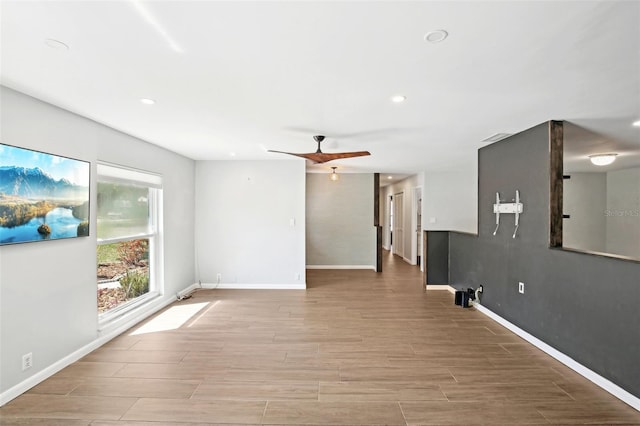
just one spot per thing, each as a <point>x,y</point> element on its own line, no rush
<point>497,137</point>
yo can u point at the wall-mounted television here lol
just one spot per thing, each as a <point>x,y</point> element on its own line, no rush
<point>42,196</point>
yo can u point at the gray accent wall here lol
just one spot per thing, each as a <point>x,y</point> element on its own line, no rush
<point>583,305</point>
<point>339,220</point>
<point>437,262</point>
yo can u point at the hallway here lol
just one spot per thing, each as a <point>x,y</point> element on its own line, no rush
<point>356,347</point>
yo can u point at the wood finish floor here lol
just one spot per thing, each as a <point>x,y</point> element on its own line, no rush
<point>355,348</point>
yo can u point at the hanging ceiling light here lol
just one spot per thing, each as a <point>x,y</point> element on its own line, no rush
<point>602,159</point>
<point>334,176</point>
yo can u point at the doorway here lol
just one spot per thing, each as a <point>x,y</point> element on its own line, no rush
<point>417,217</point>
<point>390,223</point>
<point>397,244</point>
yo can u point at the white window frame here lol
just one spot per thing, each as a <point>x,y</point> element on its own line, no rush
<point>111,173</point>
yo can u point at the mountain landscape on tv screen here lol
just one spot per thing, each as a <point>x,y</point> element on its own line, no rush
<point>35,206</point>
<point>36,183</point>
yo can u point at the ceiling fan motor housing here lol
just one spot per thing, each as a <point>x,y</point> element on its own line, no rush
<point>318,138</point>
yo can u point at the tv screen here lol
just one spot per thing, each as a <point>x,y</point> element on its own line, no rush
<point>42,196</point>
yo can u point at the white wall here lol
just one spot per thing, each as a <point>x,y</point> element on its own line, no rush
<point>450,201</point>
<point>48,289</point>
<point>243,222</point>
<point>605,212</point>
<point>340,229</point>
<point>623,208</point>
<point>407,187</point>
<point>384,217</point>
<point>585,199</point>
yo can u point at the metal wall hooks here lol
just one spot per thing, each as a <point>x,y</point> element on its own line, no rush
<point>509,208</point>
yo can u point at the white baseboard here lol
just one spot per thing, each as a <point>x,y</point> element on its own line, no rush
<point>409,261</point>
<point>341,267</point>
<point>585,372</point>
<point>254,286</point>
<point>445,287</point>
<point>190,289</point>
<point>103,337</point>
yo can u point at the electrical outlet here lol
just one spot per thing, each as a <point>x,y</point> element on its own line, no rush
<point>219,278</point>
<point>27,361</point>
<point>297,277</point>
<point>521,287</point>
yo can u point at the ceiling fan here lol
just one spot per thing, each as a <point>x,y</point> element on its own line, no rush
<point>322,157</point>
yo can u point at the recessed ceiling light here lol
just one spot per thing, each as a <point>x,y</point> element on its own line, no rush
<point>232,154</point>
<point>602,159</point>
<point>435,36</point>
<point>398,99</point>
<point>147,101</point>
<point>56,44</point>
<point>389,177</point>
<point>636,123</point>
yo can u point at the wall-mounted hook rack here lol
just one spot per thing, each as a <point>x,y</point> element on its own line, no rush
<point>496,207</point>
<point>509,208</point>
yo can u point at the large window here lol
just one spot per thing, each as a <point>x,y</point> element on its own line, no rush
<point>129,246</point>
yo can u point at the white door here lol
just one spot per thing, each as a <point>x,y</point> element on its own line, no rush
<point>418,219</point>
<point>389,229</point>
<point>398,224</point>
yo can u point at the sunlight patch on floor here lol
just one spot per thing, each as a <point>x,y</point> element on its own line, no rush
<point>171,319</point>
<point>204,312</point>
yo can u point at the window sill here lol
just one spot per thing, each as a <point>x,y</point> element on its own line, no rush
<point>126,310</point>
<point>597,253</point>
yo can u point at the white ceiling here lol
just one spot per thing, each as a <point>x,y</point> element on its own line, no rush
<point>244,76</point>
<point>579,143</point>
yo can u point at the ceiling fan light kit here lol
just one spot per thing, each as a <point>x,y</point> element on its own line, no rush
<point>334,176</point>
<point>320,157</point>
<point>602,159</point>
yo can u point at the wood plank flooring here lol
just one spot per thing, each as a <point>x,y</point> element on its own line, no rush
<point>356,347</point>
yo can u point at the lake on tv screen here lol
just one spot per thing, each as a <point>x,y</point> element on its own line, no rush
<point>61,221</point>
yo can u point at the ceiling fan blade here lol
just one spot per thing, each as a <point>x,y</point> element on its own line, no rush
<point>323,157</point>
<point>291,153</point>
